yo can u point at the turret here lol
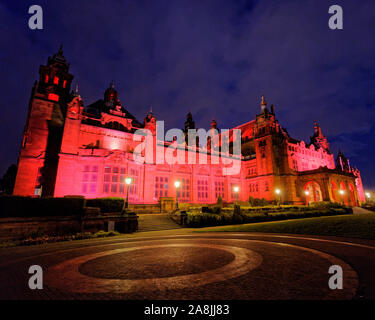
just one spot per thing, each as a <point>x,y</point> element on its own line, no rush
<point>150,122</point>
<point>213,136</point>
<point>263,105</point>
<point>55,79</point>
<point>342,163</point>
<point>189,123</point>
<point>318,139</point>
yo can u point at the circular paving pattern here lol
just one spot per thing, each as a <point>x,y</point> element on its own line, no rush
<point>161,262</point>
<point>67,275</point>
<point>216,267</point>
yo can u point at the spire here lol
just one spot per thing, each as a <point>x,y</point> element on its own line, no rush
<point>58,59</point>
<point>263,101</point>
<point>263,104</point>
<point>213,124</point>
<point>111,95</point>
<point>75,92</point>
<point>316,127</point>
<point>189,123</point>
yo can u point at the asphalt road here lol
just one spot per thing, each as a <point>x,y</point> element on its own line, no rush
<point>179,264</point>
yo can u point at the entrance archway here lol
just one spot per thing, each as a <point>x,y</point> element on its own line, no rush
<point>334,191</point>
<point>344,198</point>
<point>313,192</point>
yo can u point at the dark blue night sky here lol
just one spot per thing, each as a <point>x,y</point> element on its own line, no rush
<point>214,58</point>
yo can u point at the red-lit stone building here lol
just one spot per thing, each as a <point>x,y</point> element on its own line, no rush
<point>72,149</point>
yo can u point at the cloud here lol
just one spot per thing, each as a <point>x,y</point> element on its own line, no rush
<point>214,58</point>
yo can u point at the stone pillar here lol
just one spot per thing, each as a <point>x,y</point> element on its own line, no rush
<point>324,186</point>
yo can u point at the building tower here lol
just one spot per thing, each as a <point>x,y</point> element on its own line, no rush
<point>271,150</point>
<point>38,158</point>
<point>318,139</point>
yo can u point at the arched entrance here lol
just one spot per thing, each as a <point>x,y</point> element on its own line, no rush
<point>313,192</point>
<point>344,198</point>
<point>334,190</point>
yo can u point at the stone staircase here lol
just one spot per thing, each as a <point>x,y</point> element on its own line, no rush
<point>155,222</point>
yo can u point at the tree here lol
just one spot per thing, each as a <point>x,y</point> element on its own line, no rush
<point>219,200</point>
<point>8,180</point>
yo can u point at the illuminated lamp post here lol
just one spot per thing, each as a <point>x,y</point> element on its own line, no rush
<point>236,189</point>
<point>177,185</point>
<point>128,181</point>
<point>278,192</point>
<point>341,194</point>
<point>307,194</point>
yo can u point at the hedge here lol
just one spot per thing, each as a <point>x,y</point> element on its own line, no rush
<point>17,206</point>
<point>106,205</point>
<point>198,220</point>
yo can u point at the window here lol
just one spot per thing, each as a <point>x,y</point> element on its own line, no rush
<point>266,187</point>
<point>252,171</point>
<point>183,192</point>
<point>64,84</point>
<point>133,189</point>
<point>295,165</point>
<point>219,189</point>
<point>46,79</point>
<point>253,187</point>
<point>53,96</point>
<point>202,190</point>
<point>89,179</point>
<point>161,187</point>
<point>114,180</point>
<point>56,80</point>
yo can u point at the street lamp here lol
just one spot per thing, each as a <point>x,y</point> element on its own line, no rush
<point>128,181</point>
<point>307,194</point>
<point>177,185</point>
<point>278,192</point>
<point>368,195</point>
<point>236,189</point>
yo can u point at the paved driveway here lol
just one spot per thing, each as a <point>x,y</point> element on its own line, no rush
<point>179,264</point>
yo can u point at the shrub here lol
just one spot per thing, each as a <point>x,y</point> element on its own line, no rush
<point>237,209</point>
<point>17,206</point>
<point>106,205</point>
<point>235,216</point>
<point>255,202</point>
<point>214,209</point>
<point>251,201</point>
<point>219,200</point>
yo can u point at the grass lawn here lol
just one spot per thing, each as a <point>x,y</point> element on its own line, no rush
<point>353,226</point>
